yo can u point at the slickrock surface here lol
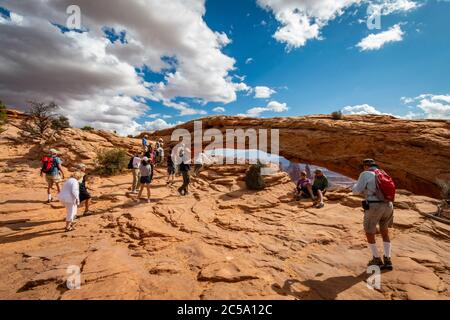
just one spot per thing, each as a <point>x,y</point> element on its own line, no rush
<point>220,242</point>
<point>415,153</point>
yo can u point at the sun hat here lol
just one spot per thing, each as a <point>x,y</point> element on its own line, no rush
<point>53,151</point>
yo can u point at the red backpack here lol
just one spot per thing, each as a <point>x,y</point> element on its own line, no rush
<point>47,164</point>
<point>385,185</point>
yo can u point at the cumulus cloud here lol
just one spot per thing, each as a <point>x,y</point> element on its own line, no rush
<point>362,109</point>
<point>262,92</point>
<point>378,40</point>
<point>430,106</point>
<point>272,106</point>
<point>303,20</point>
<point>87,71</point>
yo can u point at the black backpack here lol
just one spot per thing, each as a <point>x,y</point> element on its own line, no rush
<point>130,164</point>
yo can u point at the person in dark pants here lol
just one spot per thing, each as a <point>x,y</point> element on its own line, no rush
<point>184,169</point>
<point>85,196</point>
<point>170,169</point>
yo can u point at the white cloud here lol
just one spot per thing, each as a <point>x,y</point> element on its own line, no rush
<point>219,109</point>
<point>272,106</point>
<point>169,37</point>
<point>158,124</point>
<point>430,106</point>
<point>262,92</point>
<point>302,20</point>
<point>362,109</point>
<point>378,40</point>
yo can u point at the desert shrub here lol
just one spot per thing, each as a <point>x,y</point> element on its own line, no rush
<point>42,118</point>
<point>445,189</point>
<point>253,178</point>
<point>3,116</point>
<point>112,161</point>
<point>87,128</point>
<point>60,123</point>
<point>336,115</point>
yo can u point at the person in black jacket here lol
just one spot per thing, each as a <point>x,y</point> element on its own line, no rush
<point>184,169</point>
<point>85,196</point>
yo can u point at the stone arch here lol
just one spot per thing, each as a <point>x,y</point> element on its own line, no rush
<point>414,153</point>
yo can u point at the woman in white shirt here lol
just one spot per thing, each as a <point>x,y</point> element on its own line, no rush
<point>70,198</point>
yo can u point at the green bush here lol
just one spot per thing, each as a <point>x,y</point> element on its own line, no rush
<point>253,178</point>
<point>112,161</point>
<point>87,128</point>
<point>337,115</point>
<point>60,123</point>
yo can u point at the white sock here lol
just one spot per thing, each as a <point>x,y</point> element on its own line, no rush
<point>387,249</point>
<point>374,250</point>
<point>49,197</point>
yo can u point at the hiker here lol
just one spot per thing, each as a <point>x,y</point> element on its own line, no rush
<point>319,188</point>
<point>304,187</point>
<point>133,165</point>
<point>199,161</point>
<point>145,143</point>
<point>51,166</point>
<point>70,198</point>
<point>379,192</point>
<point>160,151</point>
<point>85,196</point>
<point>150,153</point>
<point>170,168</point>
<point>146,171</point>
<point>184,169</point>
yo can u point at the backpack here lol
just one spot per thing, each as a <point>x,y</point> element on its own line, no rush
<point>47,164</point>
<point>385,185</point>
<point>130,163</point>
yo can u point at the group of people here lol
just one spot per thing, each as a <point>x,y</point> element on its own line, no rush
<point>374,184</point>
<point>378,190</point>
<point>314,190</point>
<point>73,192</point>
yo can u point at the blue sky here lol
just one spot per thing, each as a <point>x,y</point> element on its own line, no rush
<point>149,65</point>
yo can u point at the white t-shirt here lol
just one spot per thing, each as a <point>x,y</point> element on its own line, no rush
<point>136,162</point>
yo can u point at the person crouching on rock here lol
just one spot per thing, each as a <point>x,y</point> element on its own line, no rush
<point>70,198</point>
<point>85,196</point>
<point>319,188</point>
<point>146,170</point>
<point>304,187</point>
<point>377,211</point>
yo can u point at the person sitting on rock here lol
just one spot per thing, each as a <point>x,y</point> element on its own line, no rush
<point>70,198</point>
<point>85,196</point>
<point>319,188</point>
<point>376,212</point>
<point>51,166</point>
<point>304,187</point>
<point>146,170</point>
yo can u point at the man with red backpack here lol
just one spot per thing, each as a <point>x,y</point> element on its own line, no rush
<point>51,167</point>
<point>378,189</point>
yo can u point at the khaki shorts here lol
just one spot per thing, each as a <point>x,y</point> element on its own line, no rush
<point>52,179</point>
<point>381,214</point>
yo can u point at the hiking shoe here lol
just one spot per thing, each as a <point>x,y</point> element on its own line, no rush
<point>376,262</point>
<point>387,264</point>
<point>320,206</point>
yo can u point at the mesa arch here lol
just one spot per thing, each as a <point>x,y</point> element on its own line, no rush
<point>415,153</point>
